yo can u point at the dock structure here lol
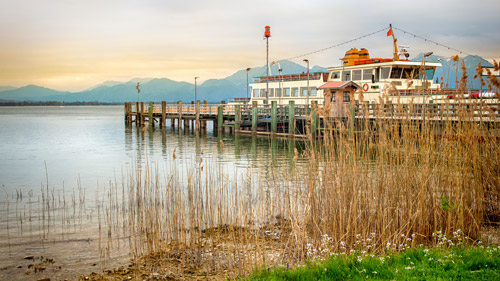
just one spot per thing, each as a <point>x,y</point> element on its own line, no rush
<point>294,120</point>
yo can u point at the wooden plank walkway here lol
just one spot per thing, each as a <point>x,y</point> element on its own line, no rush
<point>298,120</point>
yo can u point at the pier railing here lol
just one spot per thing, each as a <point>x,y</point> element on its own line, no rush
<point>270,117</point>
<point>212,109</point>
<point>438,111</point>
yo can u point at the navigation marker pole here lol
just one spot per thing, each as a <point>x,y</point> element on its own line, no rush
<point>267,34</point>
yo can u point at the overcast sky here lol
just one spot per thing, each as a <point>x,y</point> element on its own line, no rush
<point>75,44</point>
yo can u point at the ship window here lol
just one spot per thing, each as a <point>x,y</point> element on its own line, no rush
<point>429,73</point>
<point>335,75</point>
<point>278,92</point>
<point>356,75</point>
<point>377,75</point>
<point>287,92</point>
<point>367,74</point>
<point>346,75</point>
<point>271,92</point>
<point>406,73</point>
<point>346,97</point>
<point>385,72</point>
<point>303,92</point>
<point>255,93</point>
<point>396,72</point>
<point>295,92</point>
<point>314,92</point>
<point>416,73</point>
<point>262,93</point>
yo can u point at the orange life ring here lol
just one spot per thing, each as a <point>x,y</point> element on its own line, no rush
<point>365,87</point>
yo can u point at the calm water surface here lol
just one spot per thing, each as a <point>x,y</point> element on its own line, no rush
<point>66,156</point>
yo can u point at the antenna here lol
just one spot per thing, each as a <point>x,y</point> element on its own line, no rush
<point>404,51</point>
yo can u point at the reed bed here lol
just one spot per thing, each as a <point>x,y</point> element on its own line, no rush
<point>391,185</point>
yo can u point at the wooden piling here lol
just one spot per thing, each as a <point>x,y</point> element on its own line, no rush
<point>351,119</point>
<point>163,120</point>
<point>150,115</point>
<point>197,113</point>
<point>237,117</point>
<point>291,117</point>
<point>254,116</point>
<point>274,117</point>
<point>204,122</point>
<point>143,111</point>
<point>179,112</point>
<point>314,118</point>
<point>128,113</point>
<point>137,113</point>
<point>220,117</point>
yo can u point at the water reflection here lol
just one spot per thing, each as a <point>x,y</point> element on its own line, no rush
<point>89,154</point>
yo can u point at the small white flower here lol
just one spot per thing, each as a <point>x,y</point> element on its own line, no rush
<point>409,267</point>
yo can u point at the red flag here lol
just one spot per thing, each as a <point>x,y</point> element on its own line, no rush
<point>389,33</point>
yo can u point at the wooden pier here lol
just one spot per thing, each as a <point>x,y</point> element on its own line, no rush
<point>298,120</point>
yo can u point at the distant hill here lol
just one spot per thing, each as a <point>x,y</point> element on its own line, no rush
<point>6,88</point>
<point>32,93</point>
<point>212,90</point>
<point>450,70</point>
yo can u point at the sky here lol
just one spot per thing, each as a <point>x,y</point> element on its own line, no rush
<point>73,45</point>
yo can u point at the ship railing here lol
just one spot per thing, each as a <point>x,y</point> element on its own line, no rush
<point>290,77</point>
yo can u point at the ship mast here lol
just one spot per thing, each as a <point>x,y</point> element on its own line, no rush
<point>390,32</point>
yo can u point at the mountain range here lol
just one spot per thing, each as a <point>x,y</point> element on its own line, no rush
<point>213,90</point>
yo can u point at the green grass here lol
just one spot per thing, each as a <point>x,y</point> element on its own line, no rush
<point>458,263</point>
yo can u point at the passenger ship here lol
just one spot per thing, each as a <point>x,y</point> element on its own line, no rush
<point>392,78</point>
<point>395,77</point>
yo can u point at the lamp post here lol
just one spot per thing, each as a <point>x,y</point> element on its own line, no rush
<point>195,94</point>
<point>281,83</point>
<point>307,61</point>
<point>279,70</point>
<point>248,69</point>
<point>425,80</point>
<point>138,90</point>
<point>196,108</point>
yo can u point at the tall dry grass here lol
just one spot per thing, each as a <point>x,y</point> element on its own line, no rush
<point>392,184</point>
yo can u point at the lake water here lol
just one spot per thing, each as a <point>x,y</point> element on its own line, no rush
<point>56,163</point>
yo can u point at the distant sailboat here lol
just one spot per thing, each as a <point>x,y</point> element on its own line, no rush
<point>62,103</point>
